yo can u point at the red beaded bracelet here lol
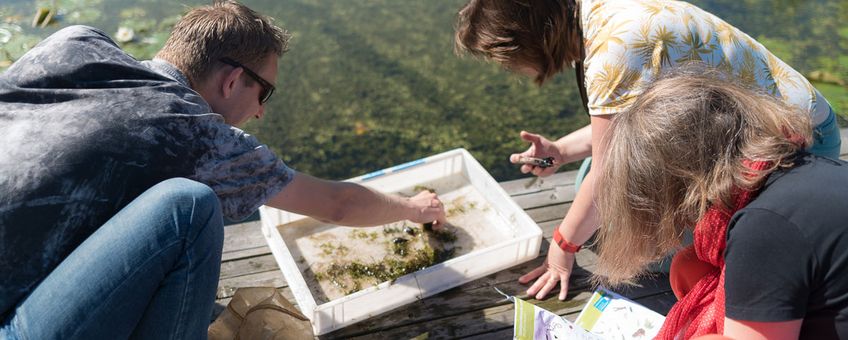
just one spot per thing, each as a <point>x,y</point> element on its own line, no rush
<point>566,246</point>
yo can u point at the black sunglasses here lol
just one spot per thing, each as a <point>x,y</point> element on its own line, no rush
<point>267,88</point>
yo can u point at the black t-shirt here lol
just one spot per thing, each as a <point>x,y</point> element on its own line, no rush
<point>787,251</point>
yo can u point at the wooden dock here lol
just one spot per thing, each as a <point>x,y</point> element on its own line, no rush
<point>473,310</point>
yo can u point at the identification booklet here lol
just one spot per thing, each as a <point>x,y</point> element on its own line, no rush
<point>607,315</point>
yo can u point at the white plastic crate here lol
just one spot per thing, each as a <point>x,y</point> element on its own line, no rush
<point>500,232</point>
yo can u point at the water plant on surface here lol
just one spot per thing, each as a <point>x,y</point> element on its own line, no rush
<point>381,81</point>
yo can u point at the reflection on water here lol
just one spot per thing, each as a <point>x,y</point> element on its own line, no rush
<point>369,84</point>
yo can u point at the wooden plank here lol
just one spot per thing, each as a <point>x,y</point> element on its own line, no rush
<point>245,253</point>
<point>660,302</point>
<point>533,184</point>
<point>548,213</point>
<point>249,265</point>
<point>454,302</point>
<point>227,287</point>
<point>502,315</point>
<point>555,195</point>
<point>475,322</point>
<point>243,236</point>
<point>502,333</point>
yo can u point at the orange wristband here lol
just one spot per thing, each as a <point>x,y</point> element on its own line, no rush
<point>566,246</point>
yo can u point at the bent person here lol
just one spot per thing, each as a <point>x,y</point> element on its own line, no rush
<point>617,48</point>
<point>115,175</point>
<point>698,151</point>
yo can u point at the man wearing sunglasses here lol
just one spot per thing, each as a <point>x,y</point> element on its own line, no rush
<point>115,175</point>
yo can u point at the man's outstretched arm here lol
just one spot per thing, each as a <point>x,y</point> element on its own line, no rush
<point>351,204</point>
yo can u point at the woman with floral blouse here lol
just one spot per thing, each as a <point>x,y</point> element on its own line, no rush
<point>618,48</point>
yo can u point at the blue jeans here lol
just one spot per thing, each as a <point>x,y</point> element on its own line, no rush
<point>827,141</point>
<point>150,272</point>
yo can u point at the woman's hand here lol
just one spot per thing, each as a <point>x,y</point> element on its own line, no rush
<point>556,269</point>
<point>427,209</point>
<point>540,147</point>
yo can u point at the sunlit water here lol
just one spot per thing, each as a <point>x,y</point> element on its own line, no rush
<point>369,84</point>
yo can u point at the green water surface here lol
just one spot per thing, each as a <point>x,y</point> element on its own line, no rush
<point>372,83</point>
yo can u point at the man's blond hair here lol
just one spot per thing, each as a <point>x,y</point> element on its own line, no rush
<point>206,34</point>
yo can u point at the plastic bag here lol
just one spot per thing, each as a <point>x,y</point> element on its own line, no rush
<point>260,313</point>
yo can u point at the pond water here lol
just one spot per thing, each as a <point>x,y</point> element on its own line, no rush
<point>370,84</point>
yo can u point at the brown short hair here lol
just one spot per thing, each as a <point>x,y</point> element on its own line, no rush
<point>677,151</point>
<point>543,34</point>
<point>224,29</point>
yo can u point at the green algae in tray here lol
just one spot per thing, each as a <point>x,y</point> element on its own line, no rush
<point>341,275</point>
<point>332,269</point>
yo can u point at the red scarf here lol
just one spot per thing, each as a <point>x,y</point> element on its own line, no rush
<point>701,311</point>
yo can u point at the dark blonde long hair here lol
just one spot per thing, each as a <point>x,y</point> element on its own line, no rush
<point>679,150</point>
<point>543,34</point>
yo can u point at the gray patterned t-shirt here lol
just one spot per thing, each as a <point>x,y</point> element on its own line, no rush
<point>85,129</point>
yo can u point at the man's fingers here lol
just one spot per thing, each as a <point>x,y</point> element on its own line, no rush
<point>526,168</point>
<point>524,279</point>
<point>441,219</point>
<point>437,207</point>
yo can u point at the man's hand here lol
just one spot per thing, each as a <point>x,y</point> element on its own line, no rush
<point>540,147</point>
<point>429,209</point>
<point>556,269</point>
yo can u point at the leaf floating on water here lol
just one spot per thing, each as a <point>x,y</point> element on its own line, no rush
<point>43,17</point>
<point>132,12</point>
